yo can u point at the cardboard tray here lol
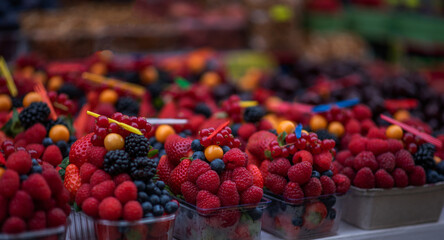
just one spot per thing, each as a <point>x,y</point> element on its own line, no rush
<point>386,208</point>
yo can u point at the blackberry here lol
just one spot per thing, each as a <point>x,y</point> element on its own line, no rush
<point>127,106</point>
<point>203,109</point>
<point>424,156</point>
<point>136,145</point>
<point>72,91</point>
<point>17,102</point>
<point>143,168</point>
<point>324,134</point>
<point>253,114</point>
<point>37,112</point>
<point>116,162</point>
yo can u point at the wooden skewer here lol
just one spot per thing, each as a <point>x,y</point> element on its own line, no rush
<point>122,125</point>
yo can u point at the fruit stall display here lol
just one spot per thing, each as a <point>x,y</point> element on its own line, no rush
<point>142,143</point>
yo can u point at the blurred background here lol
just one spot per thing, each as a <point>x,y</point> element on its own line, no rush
<point>399,31</point>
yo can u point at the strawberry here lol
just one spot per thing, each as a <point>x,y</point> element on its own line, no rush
<point>169,110</point>
<point>257,175</point>
<point>78,152</point>
<point>179,175</point>
<point>72,180</point>
<point>259,142</point>
<point>315,214</point>
<point>164,169</point>
<point>177,148</point>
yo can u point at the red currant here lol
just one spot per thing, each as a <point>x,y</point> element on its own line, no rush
<point>236,143</point>
<point>291,138</point>
<point>102,121</point>
<point>7,143</point>
<point>285,153</point>
<point>62,98</point>
<point>316,149</point>
<point>218,139</point>
<point>205,141</point>
<point>412,148</point>
<point>408,138</point>
<point>113,128</point>
<point>96,141</point>
<point>9,150</point>
<point>204,132</point>
<point>133,119</point>
<point>52,96</point>
<point>292,149</point>
<point>301,143</point>
<point>101,132</point>
<point>117,116</point>
<point>276,151</point>
<point>135,125</point>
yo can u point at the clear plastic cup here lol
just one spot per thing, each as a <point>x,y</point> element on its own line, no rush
<point>57,233</point>
<point>302,218</point>
<point>236,222</point>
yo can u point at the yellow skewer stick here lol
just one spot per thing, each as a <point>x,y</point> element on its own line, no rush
<point>246,104</point>
<point>9,81</point>
<point>114,83</point>
<point>122,125</point>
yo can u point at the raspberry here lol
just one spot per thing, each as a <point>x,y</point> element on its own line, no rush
<point>264,124</point>
<point>394,145</point>
<point>132,211</point>
<point>228,194</point>
<point>400,177</point>
<point>279,166</point>
<point>38,221</point>
<point>357,145</point>
<point>342,183</point>
<point>103,189</point>
<point>14,225</point>
<point>235,158</point>
<point>243,178</point>
<point>364,178</point>
<point>37,187</point>
<point>98,177</point>
<point>91,207</point>
<point>189,191</point>
<point>252,195</point>
<point>208,181</point>
<point>361,112</point>
<point>336,167</point>
<point>377,146</point>
<point>322,161</point>
<point>246,130</point>
<point>293,193</point>
<point>52,155</point>
<point>405,160</point>
<point>313,188</point>
<point>53,180</point>
<point>353,126</point>
<point>387,161</point>
<point>83,193</point>
<point>62,197</point>
<point>342,156</point>
<point>21,205</point>
<point>303,156</point>
<point>19,161</point>
<point>206,200</point>
<point>417,176</point>
<point>110,209</point>
<point>377,133</point>
<point>86,171</point>
<point>264,168</point>
<point>35,134</point>
<point>275,183</point>
<point>384,179</point>
<point>349,172</point>
<point>56,217</point>
<point>328,185</point>
<point>9,183</point>
<point>121,178</point>
<point>365,159</point>
<point>96,156</point>
<point>300,172</point>
<point>126,191</point>
<point>197,168</point>
<point>349,162</point>
<point>257,175</point>
<point>36,149</point>
<point>3,208</point>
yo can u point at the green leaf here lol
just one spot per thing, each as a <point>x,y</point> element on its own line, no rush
<point>182,83</point>
<point>69,122</point>
<point>153,153</point>
<point>13,126</point>
<point>158,103</point>
<point>64,163</point>
<point>268,154</point>
<point>281,138</point>
<point>76,207</point>
<point>62,173</point>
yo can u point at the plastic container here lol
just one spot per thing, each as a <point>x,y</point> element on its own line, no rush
<point>386,208</point>
<point>302,219</point>
<point>223,223</point>
<point>82,226</point>
<point>57,233</point>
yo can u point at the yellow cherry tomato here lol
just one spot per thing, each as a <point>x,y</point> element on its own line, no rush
<point>401,115</point>
<point>318,122</point>
<point>5,103</point>
<point>114,141</point>
<point>212,152</point>
<point>285,126</point>
<point>210,79</point>
<point>149,75</point>
<point>2,171</point>
<point>437,159</point>
<point>108,96</point>
<point>55,83</point>
<point>336,128</point>
<point>163,131</point>
<point>59,132</point>
<point>30,98</point>
<point>394,131</point>
<point>99,68</point>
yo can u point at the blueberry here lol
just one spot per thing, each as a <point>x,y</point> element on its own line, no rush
<point>171,207</point>
<point>157,210</point>
<point>23,177</point>
<point>432,176</point>
<point>148,215</point>
<point>235,128</point>
<point>182,135</point>
<point>35,162</point>
<point>273,131</point>
<point>329,201</point>
<point>157,145</point>
<point>47,142</point>
<point>332,213</point>
<point>165,192</point>
<point>328,173</point>
<point>164,199</point>
<point>256,213</point>
<point>140,186</point>
<point>147,207</point>
<point>72,139</point>
<point>154,199</point>
<point>297,221</point>
<point>36,169</point>
<point>162,152</point>
<point>198,155</point>
<point>225,149</point>
<point>152,140</point>
<point>196,146</point>
<point>187,132</point>
<point>315,174</point>
<point>157,191</point>
<point>160,185</point>
<point>150,187</point>
<point>63,146</point>
<point>217,165</point>
<point>440,167</point>
<point>142,196</point>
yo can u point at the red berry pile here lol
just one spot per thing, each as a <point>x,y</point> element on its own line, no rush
<point>62,104</point>
<point>232,107</point>
<point>222,138</point>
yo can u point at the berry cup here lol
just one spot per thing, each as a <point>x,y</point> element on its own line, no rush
<point>57,233</point>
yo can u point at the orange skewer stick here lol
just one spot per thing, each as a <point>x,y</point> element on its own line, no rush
<point>40,89</point>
